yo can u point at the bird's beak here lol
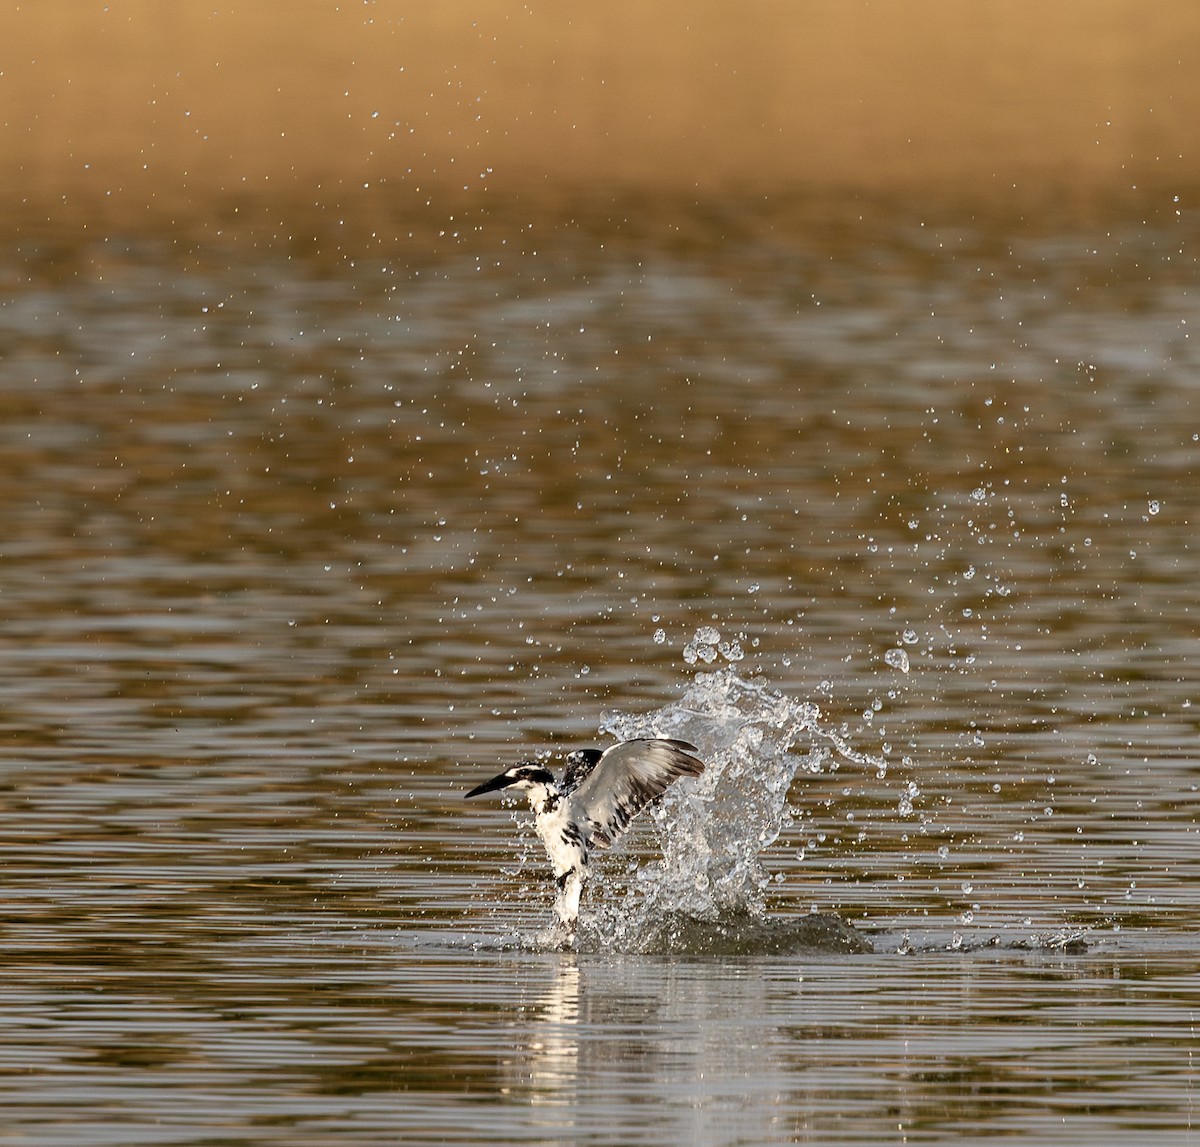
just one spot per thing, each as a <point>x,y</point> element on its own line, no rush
<point>500,782</point>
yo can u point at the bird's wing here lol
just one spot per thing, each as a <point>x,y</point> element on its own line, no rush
<point>626,778</point>
<point>580,764</point>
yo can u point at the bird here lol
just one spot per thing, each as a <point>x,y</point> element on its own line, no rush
<point>599,794</point>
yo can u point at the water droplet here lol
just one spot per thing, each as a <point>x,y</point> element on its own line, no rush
<point>660,635</point>
<point>1154,506</point>
<point>897,659</point>
<point>731,651</point>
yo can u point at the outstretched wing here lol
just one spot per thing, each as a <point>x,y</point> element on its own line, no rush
<point>625,779</point>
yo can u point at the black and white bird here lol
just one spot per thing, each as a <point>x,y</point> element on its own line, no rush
<point>600,793</point>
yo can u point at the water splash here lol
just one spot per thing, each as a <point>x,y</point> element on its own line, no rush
<point>754,741</point>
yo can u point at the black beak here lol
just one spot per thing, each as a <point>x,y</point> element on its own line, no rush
<point>500,782</point>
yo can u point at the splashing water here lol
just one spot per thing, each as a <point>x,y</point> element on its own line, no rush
<point>754,741</point>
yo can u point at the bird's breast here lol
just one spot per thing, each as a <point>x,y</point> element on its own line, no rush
<point>563,838</point>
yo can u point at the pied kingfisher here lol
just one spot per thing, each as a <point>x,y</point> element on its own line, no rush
<point>600,793</point>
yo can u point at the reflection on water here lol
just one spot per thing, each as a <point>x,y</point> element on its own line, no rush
<point>766,1051</point>
<point>295,543</point>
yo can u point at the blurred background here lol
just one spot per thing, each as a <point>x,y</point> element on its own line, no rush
<point>135,111</point>
<point>391,391</point>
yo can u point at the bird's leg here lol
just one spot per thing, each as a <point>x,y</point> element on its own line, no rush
<point>570,887</point>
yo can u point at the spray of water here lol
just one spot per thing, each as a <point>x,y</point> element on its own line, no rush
<point>754,741</point>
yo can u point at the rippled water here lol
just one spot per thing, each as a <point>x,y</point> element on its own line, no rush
<point>893,517</point>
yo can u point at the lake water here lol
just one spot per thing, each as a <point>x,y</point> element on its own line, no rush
<point>893,515</point>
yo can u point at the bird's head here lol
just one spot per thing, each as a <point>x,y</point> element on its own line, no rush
<point>527,777</point>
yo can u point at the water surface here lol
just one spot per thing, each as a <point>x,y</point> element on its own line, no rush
<point>302,541</point>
